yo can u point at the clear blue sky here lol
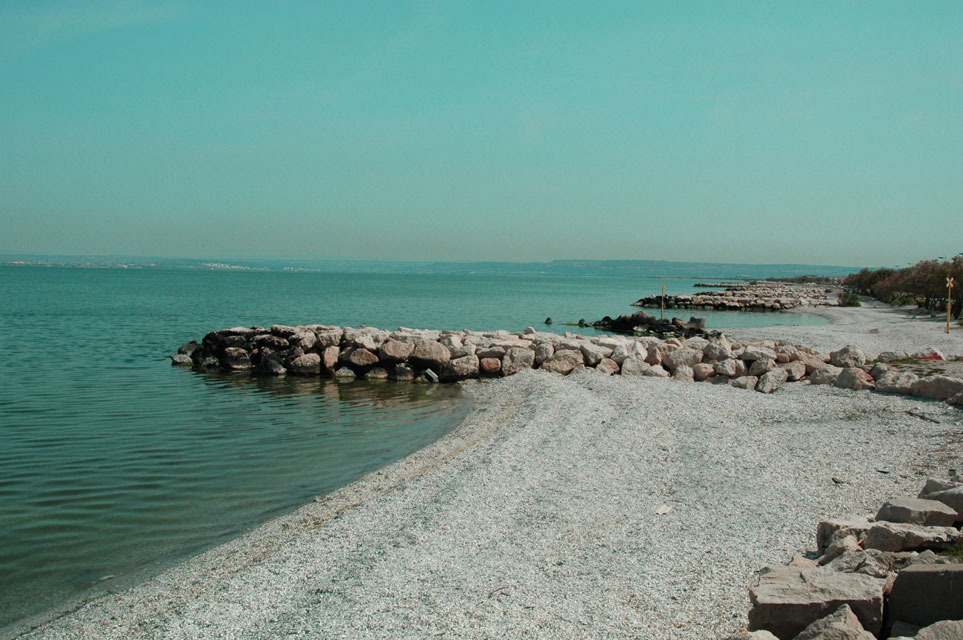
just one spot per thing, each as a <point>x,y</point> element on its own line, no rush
<point>812,132</point>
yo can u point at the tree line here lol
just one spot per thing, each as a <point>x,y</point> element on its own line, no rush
<point>923,284</point>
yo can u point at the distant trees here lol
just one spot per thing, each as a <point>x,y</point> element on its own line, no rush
<point>923,284</point>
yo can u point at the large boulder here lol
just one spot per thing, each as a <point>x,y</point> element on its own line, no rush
<point>430,354</point>
<point>745,382</point>
<point>753,353</point>
<point>392,350</point>
<point>927,593</point>
<point>681,357</point>
<point>634,366</point>
<point>656,371</point>
<point>812,361</point>
<point>330,357</point>
<point>942,630</point>
<point>235,358</point>
<point>593,353</point>
<point>834,528</point>
<point>702,371</point>
<point>489,366</point>
<point>795,370</point>
<point>869,562</point>
<point>516,359</point>
<point>894,381</point>
<point>728,367</point>
<point>607,366</point>
<point>762,366</point>
<point>461,368</point>
<point>772,380</point>
<point>789,599</point>
<point>893,536</point>
<point>826,374</point>
<point>889,356</point>
<point>359,358</point>
<point>929,354</point>
<point>544,351</point>
<point>856,379</point>
<point>848,356</point>
<point>842,624</point>
<point>308,364</point>
<point>714,351</point>
<point>937,387</point>
<point>931,513</point>
<point>683,373</point>
<point>563,361</point>
<point>491,351</point>
<point>949,493</point>
<point>328,336</point>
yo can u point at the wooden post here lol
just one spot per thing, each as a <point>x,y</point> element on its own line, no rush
<point>949,300</point>
<point>662,305</point>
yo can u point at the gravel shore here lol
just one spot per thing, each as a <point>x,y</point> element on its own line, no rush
<point>874,328</point>
<point>566,507</point>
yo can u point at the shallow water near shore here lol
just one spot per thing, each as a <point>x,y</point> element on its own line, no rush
<point>112,462</point>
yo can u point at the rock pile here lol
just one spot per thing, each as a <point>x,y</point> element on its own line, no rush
<point>432,356</point>
<point>767,296</point>
<point>895,574</point>
<point>642,324</point>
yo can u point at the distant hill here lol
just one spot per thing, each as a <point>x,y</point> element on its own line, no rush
<point>619,268</point>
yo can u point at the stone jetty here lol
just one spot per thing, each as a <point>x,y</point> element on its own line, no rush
<point>895,574</point>
<point>762,296</point>
<point>423,355</point>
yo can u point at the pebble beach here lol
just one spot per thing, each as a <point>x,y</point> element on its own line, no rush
<point>567,507</point>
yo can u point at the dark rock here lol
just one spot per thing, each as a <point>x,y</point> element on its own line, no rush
<point>402,373</point>
<point>924,594</point>
<point>188,348</point>
<point>270,366</point>
<point>308,364</point>
<point>235,358</point>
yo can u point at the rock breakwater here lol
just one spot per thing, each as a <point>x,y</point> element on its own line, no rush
<point>423,355</point>
<point>767,296</point>
<point>895,574</point>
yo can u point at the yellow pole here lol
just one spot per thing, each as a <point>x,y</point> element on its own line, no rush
<point>949,300</point>
<point>662,305</point>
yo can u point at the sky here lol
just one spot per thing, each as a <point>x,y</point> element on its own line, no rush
<point>751,132</point>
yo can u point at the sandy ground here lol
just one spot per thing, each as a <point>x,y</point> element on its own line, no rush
<point>544,514</point>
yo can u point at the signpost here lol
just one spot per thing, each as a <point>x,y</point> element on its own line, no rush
<point>950,283</point>
<point>662,305</point>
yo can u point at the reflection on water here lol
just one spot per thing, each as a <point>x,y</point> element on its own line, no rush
<point>199,460</point>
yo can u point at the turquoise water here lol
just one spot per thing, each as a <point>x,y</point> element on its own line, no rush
<point>112,462</point>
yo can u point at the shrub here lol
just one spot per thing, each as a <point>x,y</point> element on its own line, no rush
<point>848,299</point>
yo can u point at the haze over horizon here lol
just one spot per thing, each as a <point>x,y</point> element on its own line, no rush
<point>742,132</point>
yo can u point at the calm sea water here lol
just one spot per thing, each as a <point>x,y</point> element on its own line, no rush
<point>113,463</point>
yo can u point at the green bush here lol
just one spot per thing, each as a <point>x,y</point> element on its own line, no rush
<point>848,299</point>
